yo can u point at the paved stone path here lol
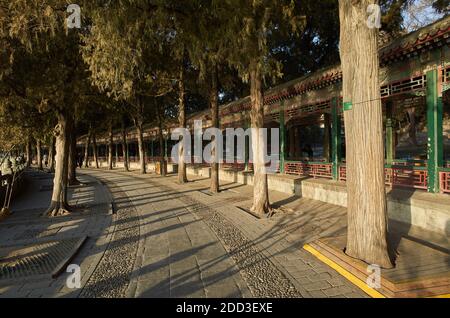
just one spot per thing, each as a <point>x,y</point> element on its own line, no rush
<point>27,226</point>
<point>171,240</point>
<point>193,244</point>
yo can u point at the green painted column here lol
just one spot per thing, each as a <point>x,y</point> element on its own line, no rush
<point>336,155</point>
<point>390,147</point>
<point>282,138</point>
<point>434,125</point>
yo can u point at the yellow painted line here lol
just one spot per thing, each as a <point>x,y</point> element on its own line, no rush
<point>349,276</point>
<point>441,296</point>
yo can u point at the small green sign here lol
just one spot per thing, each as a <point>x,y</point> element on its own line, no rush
<point>347,105</point>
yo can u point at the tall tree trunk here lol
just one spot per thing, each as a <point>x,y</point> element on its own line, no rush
<point>51,155</point>
<point>162,161</point>
<point>140,136</point>
<point>95,150</point>
<point>260,189</point>
<point>110,146</point>
<point>182,178</point>
<point>86,150</point>
<point>59,205</point>
<point>73,155</point>
<point>214,104</point>
<point>125,148</point>
<point>139,123</point>
<point>39,155</point>
<point>28,152</point>
<point>367,217</point>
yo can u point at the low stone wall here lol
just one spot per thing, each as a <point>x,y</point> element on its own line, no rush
<point>416,207</point>
<point>135,165</point>
<point>427,210</point>
<point>199,171</point>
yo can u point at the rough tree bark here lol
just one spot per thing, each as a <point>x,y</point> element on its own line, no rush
<point>182,178</point>
<point>110,146</point>
<point>260,190</point>
<point>28,152</point>
<point>367,217</point>
<point>124,148</point>
<point>72,171</point>
<point>86,150</point>
<point>138,120</point>
<point>51,155</point>
<point>39,155</point>
<point>214,104</point>
<point>95,150</point>
<point>140,136</point>
<point>59,205</point>
<point>162,161</point>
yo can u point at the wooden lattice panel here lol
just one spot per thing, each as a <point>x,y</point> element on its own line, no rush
<point>405,177</point>
<point>307,169</point>
<point>302,110</point>
<point>398,176</point>
<point>416,101</point>
<point>444,179</point>
<point>272,117</point>
<point>406,85</point>
<point>446,74</point>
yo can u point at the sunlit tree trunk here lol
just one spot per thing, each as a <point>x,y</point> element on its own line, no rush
<point>138,120</point>
<point>28,152</point>
<point>86,150</point>
<point>110,146</point>
<point>59,205</point>
<point>140,136</point>
<point>260,189</point>
<point>367,217</point>
<point>51,155</point>
<point>95,150</point>
<point>182,178</point>
<point>214,103</point>
<point>124,148</point>
<point>38,154</point>
<point>162,162</point>
<point>72,171</point>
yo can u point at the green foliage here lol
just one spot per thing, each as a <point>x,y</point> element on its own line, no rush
<point>251,26</point>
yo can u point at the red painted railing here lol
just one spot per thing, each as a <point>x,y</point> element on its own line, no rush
<point>399,176</point>
<point>342,173</point>
<point>316,170</point>
<point>407,177</point>
<point>444,179</point>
